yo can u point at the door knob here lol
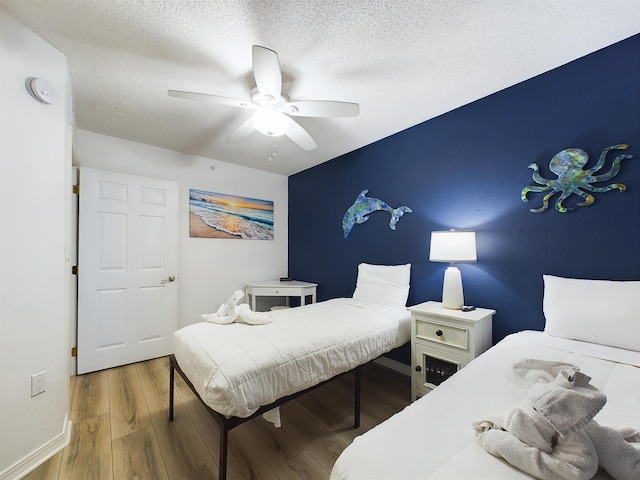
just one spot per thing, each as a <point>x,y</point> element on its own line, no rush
<point>169,279</point>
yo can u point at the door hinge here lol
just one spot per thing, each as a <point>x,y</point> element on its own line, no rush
<point>74,352</point>
<point>76,189</point>
<point>74,270</point>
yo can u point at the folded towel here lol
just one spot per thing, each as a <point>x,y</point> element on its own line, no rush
<point>227,312</point>
<point>232,312</point>
<point>572,458</point>
<point>247,315</point>
<point>532,370</point>
<point>543,435</point>
<point>618,450</point>
<point>569,403</point>
<point>551,434</point>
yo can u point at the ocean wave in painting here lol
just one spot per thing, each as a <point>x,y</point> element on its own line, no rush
<point>242,217</point>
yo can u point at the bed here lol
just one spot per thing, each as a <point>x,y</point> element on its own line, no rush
<point>240,371</point>
<point>592,324</point>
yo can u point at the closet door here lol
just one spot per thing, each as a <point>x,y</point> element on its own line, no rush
<point>127,269</point>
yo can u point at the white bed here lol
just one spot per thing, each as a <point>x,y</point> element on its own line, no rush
<point>238,368</point>
<point>434,438</point>
<point>239,371</point>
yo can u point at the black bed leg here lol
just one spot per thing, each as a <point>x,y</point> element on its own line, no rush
<point>356,414</point>
<point>222,465</point>
<point>172,374</point>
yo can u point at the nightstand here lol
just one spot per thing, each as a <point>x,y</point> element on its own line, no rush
<point>443,341</point>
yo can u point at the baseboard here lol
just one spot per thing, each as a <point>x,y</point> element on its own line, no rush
<point>40,455</point>
<point>394,365</point>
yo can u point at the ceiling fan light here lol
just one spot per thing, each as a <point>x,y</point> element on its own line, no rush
<point>269,122</point>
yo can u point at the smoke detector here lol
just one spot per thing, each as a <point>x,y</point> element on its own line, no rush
<point>40,89</point>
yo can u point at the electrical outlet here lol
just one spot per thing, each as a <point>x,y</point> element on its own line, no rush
<point>38,383</point>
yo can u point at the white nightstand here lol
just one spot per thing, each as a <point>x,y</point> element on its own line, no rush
<point>443,341</point>
<point>277,288</point>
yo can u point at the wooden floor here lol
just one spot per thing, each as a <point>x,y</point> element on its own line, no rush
<point>121,431</point>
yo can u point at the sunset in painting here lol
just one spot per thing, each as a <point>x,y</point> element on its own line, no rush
<point>239,202</point>
<point>218,215</point>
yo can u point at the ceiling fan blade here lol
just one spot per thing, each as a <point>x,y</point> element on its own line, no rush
<point>266,71</point>
<point>322,108</point>
<point>205,97</point>
<point>245,129</point>
<point>299,135</point>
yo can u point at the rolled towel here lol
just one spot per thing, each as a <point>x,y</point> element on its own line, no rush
<point>253,318</point>
<point>618,451</point>
<point>531,370</point>
<point>573,457</point>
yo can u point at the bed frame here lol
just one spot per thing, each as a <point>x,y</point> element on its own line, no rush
<point>228,423</point>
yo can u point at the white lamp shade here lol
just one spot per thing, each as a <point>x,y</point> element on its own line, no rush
<point>453,246</point>
<point>269,122</point>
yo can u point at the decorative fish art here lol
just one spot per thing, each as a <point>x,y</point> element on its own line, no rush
<point>567,165</point>
<point>363,206</point>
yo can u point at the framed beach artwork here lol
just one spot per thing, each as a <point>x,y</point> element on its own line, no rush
<point>218,215</point>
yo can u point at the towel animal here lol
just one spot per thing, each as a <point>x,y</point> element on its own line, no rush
<point>232,312</point>
<point>551,434</point>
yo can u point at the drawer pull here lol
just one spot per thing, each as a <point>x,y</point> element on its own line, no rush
<point>418,368</point>
<point>439,333</point>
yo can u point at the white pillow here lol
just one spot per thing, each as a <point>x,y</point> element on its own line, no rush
<point>383,284</point>
<point>596,311</point>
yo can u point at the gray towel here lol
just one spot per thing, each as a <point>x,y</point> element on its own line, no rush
<point>551,434</point>
<point>618,450</point>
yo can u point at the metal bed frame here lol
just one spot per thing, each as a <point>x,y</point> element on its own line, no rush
<point>228,423</point>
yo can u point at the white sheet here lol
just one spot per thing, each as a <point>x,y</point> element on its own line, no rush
<point>433,438</point>
<point>237,368</point>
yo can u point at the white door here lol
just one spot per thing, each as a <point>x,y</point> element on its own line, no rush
<point>127,267</point>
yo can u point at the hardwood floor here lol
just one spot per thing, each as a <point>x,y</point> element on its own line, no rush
<point>121,431</point>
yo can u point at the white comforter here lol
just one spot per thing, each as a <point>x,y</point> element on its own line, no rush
<point>238,368</point>
<point>433,437</point>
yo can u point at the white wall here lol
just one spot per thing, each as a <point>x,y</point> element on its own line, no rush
<point>35,164</point>
<point>210,270</point>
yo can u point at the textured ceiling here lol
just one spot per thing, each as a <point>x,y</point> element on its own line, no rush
<point>403,61</point>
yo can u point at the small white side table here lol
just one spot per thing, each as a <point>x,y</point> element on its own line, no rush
<point>443,341</point>
<point>277,288</point>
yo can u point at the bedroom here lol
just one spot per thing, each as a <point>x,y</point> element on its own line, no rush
<point>489,143</point>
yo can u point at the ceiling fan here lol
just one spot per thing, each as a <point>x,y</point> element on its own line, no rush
<point>273,110</point>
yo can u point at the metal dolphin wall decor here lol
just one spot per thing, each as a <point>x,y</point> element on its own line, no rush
<point>567,165</point>
<point>363,206</point>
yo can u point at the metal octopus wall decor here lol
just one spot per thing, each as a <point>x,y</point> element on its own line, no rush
<point>567,165</point>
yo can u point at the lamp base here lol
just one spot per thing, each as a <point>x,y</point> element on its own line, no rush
<point>452,296</point>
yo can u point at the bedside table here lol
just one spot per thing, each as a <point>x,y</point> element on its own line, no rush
<point>443,341</point>
<point>277,288</point>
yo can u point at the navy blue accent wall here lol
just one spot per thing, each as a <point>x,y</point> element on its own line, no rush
<point>465,170</point>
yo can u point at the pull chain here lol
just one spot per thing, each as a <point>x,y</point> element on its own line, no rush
<point>272,149</point>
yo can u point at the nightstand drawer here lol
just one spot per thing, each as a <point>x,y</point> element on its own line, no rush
<point>270,291</point>
<point>441,333</point>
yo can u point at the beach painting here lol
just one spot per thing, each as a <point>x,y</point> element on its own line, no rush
<point>218,215</point>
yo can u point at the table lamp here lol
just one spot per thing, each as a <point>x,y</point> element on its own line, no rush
<point>452,246</point>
